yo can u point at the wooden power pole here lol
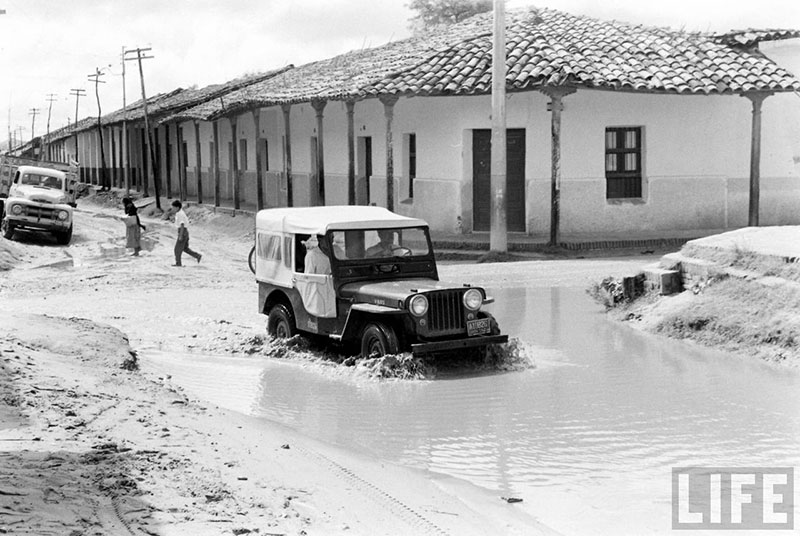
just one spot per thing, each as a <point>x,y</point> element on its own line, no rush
<point>498,236</point>
<point>148,139</point>
<point>104,182</point>
<point>78,93</point>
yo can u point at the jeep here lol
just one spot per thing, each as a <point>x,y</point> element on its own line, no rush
<point>372,285</point>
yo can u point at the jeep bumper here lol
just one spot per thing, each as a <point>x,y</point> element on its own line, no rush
<point>456,344</point>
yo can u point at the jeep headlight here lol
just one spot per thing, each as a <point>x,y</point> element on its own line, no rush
<point>473,299</point>
<point>63,215</point>
<point>16,210</point>
<point>418,305</point>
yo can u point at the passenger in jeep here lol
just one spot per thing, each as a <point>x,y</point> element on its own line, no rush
<point>316,260</point>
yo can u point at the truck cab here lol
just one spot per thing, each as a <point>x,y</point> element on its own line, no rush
<point>367,278</point>
<point>39,199</point>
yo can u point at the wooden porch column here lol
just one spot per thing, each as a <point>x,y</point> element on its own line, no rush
<point>259,171</point>
<point>234,163</point>
<point>555,106</point>
<point>124,144</point>
<point>181,163</point>
<point>319,106</point>
<point>215,133</point>
<point>112,141</point>
<point>755,156</point>
<point>168,163</point>
<point>388,111</point>
<point>287,145</point>
<point>197,162</point>
<point>351,153</point>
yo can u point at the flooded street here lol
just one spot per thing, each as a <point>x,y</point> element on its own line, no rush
<point>587,439</point>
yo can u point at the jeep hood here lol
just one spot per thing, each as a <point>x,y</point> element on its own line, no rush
<point>39,194</point>
<point>392,291</point>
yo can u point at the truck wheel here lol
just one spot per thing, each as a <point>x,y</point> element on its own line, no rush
<point>7,228</point>
<point>280,322</point>
<point>63,237</point>
<point>378,339</point>
<point>251,260</point>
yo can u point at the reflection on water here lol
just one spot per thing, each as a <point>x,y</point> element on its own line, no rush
<point>588,439</point>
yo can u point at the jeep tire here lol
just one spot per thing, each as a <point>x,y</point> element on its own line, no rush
<point>7,228</point>
<point>494,327</point>
<point>378,339</point>
<point>280,322</point>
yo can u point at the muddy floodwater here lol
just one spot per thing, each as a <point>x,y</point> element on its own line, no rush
<point>587,439</point>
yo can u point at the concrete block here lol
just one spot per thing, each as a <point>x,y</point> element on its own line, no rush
<point>663,281</point>
<point>633,286</point>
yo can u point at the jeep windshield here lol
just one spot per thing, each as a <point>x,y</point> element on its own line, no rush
<point>369,244</point>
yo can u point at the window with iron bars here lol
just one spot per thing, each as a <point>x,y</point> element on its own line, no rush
<point>623,162</point>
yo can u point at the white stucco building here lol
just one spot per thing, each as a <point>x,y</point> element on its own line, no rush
<point>637,132</point>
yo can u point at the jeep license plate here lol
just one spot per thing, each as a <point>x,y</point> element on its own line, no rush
<point>478,327</point>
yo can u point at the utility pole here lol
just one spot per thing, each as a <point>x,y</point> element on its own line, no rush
<point>51,97</point>
<point>33,112</point>
<point>148,140</point>
<point>10,140</point>
<point>498,236</point>
<point>104,183</point>
<point>78,93</point>
<point>19,141</point>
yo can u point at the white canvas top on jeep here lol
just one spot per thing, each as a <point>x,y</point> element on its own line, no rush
<point>319,220</point>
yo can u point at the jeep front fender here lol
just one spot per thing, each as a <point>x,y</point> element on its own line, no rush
<point>361,313</point>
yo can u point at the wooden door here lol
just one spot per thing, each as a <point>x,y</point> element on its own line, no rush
<point>515,179</point>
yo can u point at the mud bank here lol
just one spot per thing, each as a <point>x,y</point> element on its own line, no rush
<point>747,300</point>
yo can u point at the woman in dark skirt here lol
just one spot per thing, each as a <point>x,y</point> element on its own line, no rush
<point>133,227</point>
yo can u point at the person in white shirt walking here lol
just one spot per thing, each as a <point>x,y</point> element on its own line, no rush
<point>182,225</point>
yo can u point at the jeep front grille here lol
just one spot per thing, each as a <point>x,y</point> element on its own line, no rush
<point>445,314</point>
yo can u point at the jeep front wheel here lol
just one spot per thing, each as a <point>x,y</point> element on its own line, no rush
<point>280,322</point>
<point>378,339</point>
<point>7,228</point>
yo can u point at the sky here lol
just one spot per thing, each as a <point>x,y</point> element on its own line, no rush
<point>51,47</point>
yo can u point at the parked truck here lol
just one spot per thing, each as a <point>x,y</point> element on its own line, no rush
<point>37,196</point>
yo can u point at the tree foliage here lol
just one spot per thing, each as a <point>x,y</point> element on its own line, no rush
<point>433,13</point>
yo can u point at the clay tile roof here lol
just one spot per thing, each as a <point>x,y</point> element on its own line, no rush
<point>164,105</point>
<point>544,47</point>
<point>549,47</point>
<point>338,78</point>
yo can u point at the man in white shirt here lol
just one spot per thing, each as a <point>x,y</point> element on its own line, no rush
<point>316,261</point>
<point>182,225</point>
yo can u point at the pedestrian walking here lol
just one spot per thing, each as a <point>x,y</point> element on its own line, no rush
<point>182,243</point>
<point>133,226</point>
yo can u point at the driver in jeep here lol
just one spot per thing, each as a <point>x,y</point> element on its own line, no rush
<point>385,247</point>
